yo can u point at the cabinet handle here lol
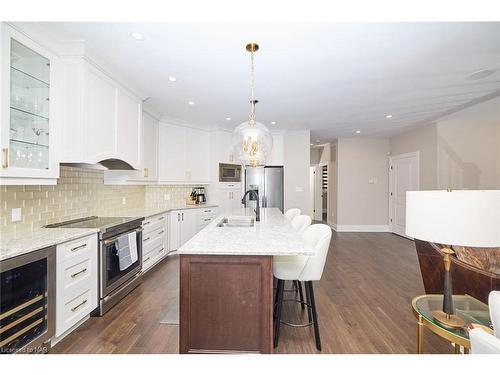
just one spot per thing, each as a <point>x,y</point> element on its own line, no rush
<point>79,305</point>
<point>183,216</point>
<point>178,216</point>
<point>146,223</point>
<point>146,239</point>
<point>207,211</point>
<point>145,260</point>
<point>73,275</point>
<point>161,250</point>
<point>161,218</point>
<point>208,219</point>
<point>5,163</point>
<point>146,172</point>
<point>161,232</point>
<point>79,247</point>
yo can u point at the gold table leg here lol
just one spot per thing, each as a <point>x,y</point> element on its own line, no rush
<point>420,335</point>
<point>466,350</point>
<point>457,349</point>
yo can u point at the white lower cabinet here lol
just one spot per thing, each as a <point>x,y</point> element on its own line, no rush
<point>154,240</point>
<point>76,283</point>
<point>184,224</point>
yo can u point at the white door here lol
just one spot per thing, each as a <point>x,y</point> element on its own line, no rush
<point>404,176</point>
<point>174,230</point>
<point>188,225</point>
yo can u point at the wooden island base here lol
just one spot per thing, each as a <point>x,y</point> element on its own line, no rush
<point>226,304</point>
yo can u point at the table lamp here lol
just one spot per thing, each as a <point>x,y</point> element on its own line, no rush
<point>460,217</point>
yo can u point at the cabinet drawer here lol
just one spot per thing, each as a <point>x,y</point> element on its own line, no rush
<point>152,243</point>
<point>76,277</point>
<point>74,310</point>
<point>153,257</point>
<point>77,248</point>
<point>204,221</point>
<point>152,235</point>
<point>152,222</point>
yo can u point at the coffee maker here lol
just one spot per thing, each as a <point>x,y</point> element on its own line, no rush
<point>199,195</point>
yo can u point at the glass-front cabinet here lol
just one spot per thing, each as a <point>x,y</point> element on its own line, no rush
<point>27,133</point>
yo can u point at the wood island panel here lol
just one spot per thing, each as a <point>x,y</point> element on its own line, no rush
<point>225,304</point>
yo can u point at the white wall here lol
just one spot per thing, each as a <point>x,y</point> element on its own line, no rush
<point>296,155</point>
<point>361,204</point>
<point>468,144</point>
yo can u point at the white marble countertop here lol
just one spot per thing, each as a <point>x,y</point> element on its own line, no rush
<point>26,242</point>
<point>272,235</point>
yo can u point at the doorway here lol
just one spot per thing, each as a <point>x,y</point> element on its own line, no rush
<point>317,194</point>
<point>324,193</point>
<point>404,175</point>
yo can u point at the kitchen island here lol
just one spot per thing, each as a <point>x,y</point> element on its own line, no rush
<point>226,283</point>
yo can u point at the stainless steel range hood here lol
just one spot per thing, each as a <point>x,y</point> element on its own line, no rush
<point>106,164</point>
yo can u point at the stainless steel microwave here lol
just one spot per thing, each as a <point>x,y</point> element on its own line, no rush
<point>229,172</point>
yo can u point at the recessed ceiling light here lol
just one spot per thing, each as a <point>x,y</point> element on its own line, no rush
<point>358,131</point>
<point>273,122</point>
<point>312,144</point>
<point>137,36</point>
<point>483,73</point>
<point>388,116</point>
<point>191,102</point>
<point>228,118</point>
<point>172,79</point>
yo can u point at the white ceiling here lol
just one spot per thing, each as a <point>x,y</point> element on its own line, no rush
<point>331,78</point>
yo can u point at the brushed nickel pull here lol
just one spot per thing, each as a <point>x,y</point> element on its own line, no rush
<point>161,218</point>
<point>145,260</point>
<point>161,250</point>
<point>79,272</point>
<point>183,216</point>
<point>178,216</point>
<point>146,223</point>
<point>5,163</point>
<point>207,211</point>
<point>208,219</point>
<point>79,305</point>
<point>146,239</point>
<point>161,232</point>
<point>79,247</point>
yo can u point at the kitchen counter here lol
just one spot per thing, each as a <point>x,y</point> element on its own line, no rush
<point>156,211</point>
<point>26,242</point>
<point>226,283</point>
<point>272,235</point>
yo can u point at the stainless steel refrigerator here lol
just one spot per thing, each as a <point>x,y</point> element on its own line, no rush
<point>268,182</point>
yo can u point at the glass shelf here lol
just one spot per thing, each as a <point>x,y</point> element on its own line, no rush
<point>29,108</point>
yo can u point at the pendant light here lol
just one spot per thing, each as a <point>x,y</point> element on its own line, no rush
<point>252,142</point>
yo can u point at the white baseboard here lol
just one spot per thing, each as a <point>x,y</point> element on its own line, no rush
<point>333,225</point>
<point>361,228</point>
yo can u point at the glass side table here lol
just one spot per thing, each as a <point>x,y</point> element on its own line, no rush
<point>467,307</point>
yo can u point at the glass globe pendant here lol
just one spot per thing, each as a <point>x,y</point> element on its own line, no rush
<point>252,142</point>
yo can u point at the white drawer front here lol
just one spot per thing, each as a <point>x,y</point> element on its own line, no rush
<point>76,277</point>
<point>152,244</point>
<point>151,223</point>
<point>153,257</point>
<point>74,310</point>
<point>76,248</point>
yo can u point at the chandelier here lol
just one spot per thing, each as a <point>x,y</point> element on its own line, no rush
<point>252,142</point>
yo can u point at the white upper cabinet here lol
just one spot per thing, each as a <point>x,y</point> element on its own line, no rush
<point>30,109</point>
<point>149,147</point>
<point>102,119</point>
<point>183,155</point>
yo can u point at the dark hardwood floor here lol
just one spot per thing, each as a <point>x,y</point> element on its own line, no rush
<point>363,300</point>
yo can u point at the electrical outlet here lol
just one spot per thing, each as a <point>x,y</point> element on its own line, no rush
<point>124,200</point>
<point>166,196</point>
<point>16,215</point>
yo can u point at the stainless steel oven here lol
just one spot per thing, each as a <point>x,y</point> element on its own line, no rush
<point>115,283</point>
<point>27,301</point>
<point>229,172</point>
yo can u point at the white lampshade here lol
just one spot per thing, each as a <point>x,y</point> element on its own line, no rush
<point>461,217</point>
<point>244,136</point>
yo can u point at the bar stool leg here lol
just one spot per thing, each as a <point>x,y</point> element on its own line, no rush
<point>301,294</point>
<point>314,314</point>
<point>279,302</point>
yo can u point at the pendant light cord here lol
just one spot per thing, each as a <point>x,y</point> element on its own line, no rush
<point>252,91</point>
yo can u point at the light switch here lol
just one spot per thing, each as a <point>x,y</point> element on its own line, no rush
<point>166,196</point>
<point>16,214</point>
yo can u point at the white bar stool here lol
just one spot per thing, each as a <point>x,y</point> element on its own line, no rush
<point>291,213</point>
<point>303,268</point>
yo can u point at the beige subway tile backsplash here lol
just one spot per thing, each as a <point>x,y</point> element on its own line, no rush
<point>81,192</point>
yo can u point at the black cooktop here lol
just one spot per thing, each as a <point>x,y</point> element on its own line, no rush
<point>101,223</point>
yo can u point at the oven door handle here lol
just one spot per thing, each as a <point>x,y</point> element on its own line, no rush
<point>114,239</point>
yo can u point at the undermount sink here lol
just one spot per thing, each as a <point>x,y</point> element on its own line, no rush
<point>237,221</point>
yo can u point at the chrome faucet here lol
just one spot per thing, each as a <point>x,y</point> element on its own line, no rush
<point>255,194</point>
